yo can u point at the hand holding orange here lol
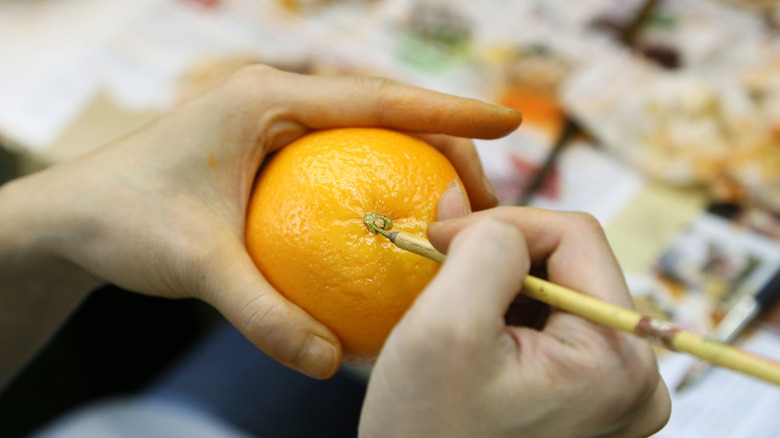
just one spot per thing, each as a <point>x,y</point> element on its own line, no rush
<point>173,201</point>
<point>306,230</point>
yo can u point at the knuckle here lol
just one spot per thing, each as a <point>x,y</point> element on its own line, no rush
<point>261,322</point>
<point>251,81</point>
<point>258,316</point>
<point>254,74</point>
<point>376,84</point>
<point>498,240</point>
<point>388,99</point>
<point>584,221</point>
<point>375,90</point>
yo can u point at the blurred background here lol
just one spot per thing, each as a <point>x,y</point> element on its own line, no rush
<point>660,118</point>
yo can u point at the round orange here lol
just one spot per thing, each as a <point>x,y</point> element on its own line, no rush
<point>306,231</point>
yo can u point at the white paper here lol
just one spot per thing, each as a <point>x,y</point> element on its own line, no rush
<point>49,71</point>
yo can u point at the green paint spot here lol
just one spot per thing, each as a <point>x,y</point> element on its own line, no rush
<point>376,222</point>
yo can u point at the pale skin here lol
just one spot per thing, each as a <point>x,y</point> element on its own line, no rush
<point>161,212</point>
<point>572,378</point>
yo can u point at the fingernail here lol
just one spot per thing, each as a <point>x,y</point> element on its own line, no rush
<point>434,225</point>
<point>320,359</point>
<point>488,185</point>
<point>460,208</point>
<point>508,109</point>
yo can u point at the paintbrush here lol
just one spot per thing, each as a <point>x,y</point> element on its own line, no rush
<point>627,35</point>
<point>741,314</point>
<point>600,312</point>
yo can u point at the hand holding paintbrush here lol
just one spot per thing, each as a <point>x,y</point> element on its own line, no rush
<point>604,313</point>
<point>569,377</point>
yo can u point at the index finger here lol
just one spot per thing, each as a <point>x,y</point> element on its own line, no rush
<point>320,102</point>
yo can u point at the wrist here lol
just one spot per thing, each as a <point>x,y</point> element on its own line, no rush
<point>35,231</point>
<point>39,288</point>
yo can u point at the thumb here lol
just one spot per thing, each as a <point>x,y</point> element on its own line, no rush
<point>486,264</point>
<point>278,327</point>
<point>452,203</point>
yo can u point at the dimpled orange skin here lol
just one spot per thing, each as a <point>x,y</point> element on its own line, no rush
<point>306,234</point>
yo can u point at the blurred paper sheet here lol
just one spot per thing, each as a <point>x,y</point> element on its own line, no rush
<point>583,179</point>
<point>48,72</point>
<point>715,259</point>
<point>134,51</point>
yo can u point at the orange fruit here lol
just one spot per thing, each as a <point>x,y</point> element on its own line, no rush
<point>306,231</point>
